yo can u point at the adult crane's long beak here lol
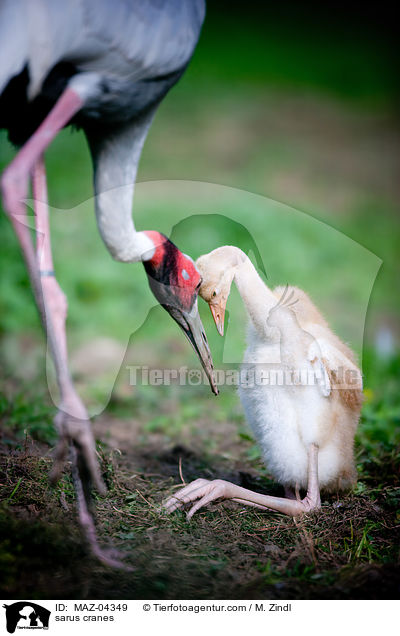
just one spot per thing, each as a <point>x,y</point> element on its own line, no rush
<point>218,313</point>
<point>190,323</point>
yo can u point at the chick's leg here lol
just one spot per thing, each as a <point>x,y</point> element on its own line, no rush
<point>206,491</point>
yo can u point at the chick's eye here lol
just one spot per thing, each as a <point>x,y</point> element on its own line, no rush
<point>214,294</point>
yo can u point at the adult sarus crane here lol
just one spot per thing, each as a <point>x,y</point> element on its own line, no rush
<point>104,66</point>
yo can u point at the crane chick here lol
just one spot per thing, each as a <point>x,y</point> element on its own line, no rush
<point>302,390</point>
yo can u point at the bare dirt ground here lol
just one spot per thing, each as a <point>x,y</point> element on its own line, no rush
<point>346,550</point>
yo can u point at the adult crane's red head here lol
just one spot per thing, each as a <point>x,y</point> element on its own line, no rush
<point>175,282</point>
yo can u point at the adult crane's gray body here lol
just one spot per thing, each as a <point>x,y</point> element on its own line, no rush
<point>131,52</point>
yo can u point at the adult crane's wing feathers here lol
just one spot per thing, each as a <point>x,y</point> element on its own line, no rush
<point>128,39</point>
<point>149,38</point>
<point>38,34</point>
<point>14,41</point>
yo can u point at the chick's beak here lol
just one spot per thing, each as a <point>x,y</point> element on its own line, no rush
<point>218,313</point>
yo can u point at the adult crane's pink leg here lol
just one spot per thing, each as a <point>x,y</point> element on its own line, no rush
<point>72,420</point>
<point>206,491</point>
<point>15,178</point>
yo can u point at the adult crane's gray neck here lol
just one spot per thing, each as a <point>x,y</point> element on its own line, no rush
<point>116,153</point>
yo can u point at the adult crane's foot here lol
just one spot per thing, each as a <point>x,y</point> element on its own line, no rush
<point>75,433</point>
<point>109,557</point>
<point>76,443</point>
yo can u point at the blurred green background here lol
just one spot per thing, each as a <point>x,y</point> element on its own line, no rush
<point>298,106</point>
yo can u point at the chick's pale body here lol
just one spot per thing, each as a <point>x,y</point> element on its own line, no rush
<point>294,396</point>
<point>286,419</point>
